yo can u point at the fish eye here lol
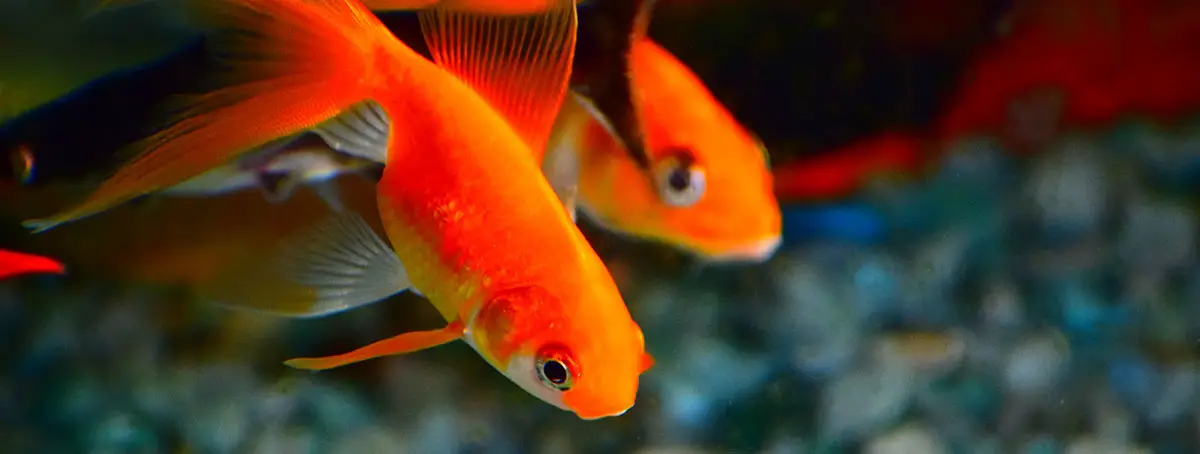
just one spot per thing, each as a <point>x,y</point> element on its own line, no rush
<point>555,367</point>
<point>680,179</point>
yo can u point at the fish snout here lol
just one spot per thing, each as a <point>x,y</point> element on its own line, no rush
<point>753,252</point>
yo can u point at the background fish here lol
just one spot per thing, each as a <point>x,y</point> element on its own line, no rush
<point>698,180</point>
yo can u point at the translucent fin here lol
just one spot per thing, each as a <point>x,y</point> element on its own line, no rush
<point>362,131</point>
<point>398,345</point>
<point>569,197</point>
<point>560,166</point>
<point>328,192</point>
<point>501,7</point>
<point>519,64</point>
<point>22,164</point>
<point>262,156</point>
<point>292,65</point>
<point>398,5</point>
<point>336,265</point>
<point>277,187</point>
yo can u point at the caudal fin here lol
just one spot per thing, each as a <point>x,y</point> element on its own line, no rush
<point>289,66</point>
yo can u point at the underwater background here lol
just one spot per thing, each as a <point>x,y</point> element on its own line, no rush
<point>990,246</point>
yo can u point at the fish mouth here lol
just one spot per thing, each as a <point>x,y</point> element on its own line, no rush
<point>757,251</point>
<point>593,417</point>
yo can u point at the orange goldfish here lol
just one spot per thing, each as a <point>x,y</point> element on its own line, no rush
<point>658,157</point>
<point>471,224</point>
<point>15,263</point>
<point>619,172</point>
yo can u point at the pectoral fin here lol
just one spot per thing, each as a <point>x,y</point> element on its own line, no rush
<point>568,196</point>
<point>399,345</point>
<point>561,168</point>
<point>334,266</point>
<point>329,193</point>
<point>277,187</point>
<point>361,131</point>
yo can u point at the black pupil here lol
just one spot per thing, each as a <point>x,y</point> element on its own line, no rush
<point>679,179</point>
<point>555,372</point>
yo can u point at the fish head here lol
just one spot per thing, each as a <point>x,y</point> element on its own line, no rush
<point>704,184</point>
<point>584,358</point>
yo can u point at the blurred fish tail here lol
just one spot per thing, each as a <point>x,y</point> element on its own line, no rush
<point>16,263</point>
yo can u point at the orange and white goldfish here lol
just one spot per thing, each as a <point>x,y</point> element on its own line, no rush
<point>615,159</point>
<point>704,184</point>
<point>472,225</point>
<point>656,156</point>
<point>14,263</point>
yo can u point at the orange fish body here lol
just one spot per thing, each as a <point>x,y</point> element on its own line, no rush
<point>471,223</point>
<point>708,188</point>
<point>453,195</point>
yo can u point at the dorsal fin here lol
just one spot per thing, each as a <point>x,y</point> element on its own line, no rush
<point>519,64</point>
<point>602,72</point>
<point>499,7</point>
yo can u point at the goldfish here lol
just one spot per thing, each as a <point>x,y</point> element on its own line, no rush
<point>597,153</point>
<point>655,155</point>
<point>471,224</point>
<point>14,263</point>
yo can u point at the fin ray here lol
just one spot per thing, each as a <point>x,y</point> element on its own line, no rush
<point>500,7</point>
<point>519,64</point>
<point>291,64</point>
<point>361,131</point>
<point>329,193</point>
<point>334,266</point>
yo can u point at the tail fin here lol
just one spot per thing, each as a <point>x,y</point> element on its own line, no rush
<point>290,65</point>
